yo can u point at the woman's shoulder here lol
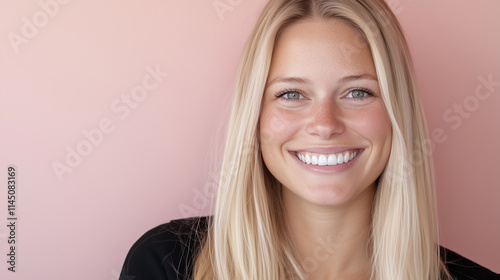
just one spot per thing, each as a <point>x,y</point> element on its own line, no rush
<point>463,268</point>
<point>166,251</point>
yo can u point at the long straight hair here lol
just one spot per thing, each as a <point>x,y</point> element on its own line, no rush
<point>247,237</point>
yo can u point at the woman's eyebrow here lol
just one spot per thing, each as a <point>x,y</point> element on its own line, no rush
<point>342,80</point>
<point>357,77</point>
<point>281,79</point>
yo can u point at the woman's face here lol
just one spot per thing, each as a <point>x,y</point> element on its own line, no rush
<point>324,131</point>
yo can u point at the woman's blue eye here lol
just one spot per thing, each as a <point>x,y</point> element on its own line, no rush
<point>291,95</point>
<point>358,94</point>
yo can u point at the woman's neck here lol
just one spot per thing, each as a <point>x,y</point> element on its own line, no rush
<point>332,241</point>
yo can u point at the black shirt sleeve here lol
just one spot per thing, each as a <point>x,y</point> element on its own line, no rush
<point>165,252</point>
<point>462,268</point>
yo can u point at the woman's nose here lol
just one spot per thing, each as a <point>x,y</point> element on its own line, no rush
<point>326,120</point>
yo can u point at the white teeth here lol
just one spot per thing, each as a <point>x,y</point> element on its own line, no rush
<point>332,159</point>
<point>314,160</point>
<point>322,160</point>
<point>340,159</point>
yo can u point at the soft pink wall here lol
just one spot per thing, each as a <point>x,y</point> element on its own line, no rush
<point>455,46</point>
<point>154,163</point>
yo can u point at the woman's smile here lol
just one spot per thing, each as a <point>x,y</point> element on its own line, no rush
<point>327,159</point>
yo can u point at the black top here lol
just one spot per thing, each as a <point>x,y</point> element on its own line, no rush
<point>166,253</point>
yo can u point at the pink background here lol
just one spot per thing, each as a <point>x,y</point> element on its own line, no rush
<point>156,163</point>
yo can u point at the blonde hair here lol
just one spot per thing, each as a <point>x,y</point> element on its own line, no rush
<point>247,236</point>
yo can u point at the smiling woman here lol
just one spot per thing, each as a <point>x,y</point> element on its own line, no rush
<point>319,179</point>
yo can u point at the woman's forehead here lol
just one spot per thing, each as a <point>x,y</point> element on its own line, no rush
<point>321,47</point>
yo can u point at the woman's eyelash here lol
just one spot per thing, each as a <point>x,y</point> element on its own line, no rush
<point>364,90</point>
<point>282,94</point>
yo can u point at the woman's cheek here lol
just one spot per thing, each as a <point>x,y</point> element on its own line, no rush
<point>278,124</point>
<point>372,123</point>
